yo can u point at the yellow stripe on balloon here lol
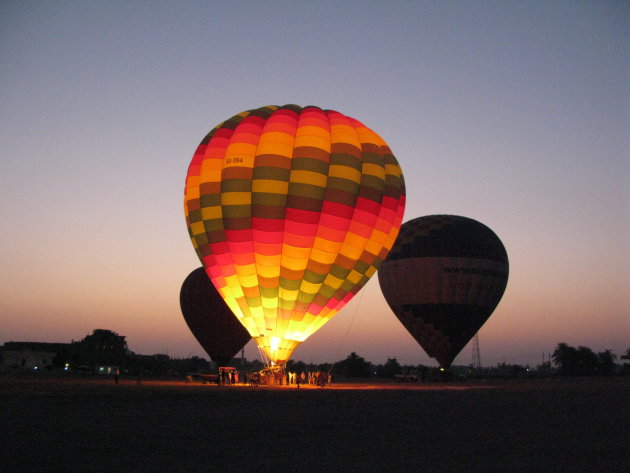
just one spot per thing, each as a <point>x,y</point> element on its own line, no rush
<point>354,276</point>
<point>211,213</point>
<point>393,170</point>
<point>309,287</point>
<point>373,170</point>
<point>236,198</point>
<point>269,302</point>
<point>269,186</point>
<point>345,172</point>
<point>197,228</point>
<point>287,297</point>
<point>308,177</point>
<point>333,282</point>
<point>271,271</point>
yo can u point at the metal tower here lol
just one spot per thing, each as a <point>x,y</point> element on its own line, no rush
<point>476,357</point>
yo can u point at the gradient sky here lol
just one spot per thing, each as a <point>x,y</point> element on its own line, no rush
<point>514,113</point>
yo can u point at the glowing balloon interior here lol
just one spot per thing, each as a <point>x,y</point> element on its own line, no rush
<point>291,210</point>
<point>443,278</point>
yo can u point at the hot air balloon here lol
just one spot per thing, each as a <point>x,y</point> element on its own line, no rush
<point>291,210</point>
<point>443,278</point>
<point>209,318</point>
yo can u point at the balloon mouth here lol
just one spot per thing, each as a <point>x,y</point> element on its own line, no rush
<point>276,350</point>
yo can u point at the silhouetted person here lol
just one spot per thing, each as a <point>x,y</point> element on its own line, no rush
<point>139,378</point>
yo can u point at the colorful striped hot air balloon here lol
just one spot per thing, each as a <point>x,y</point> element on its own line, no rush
<point>291,210</point>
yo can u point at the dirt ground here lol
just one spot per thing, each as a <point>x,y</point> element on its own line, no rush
<point>93,425</point>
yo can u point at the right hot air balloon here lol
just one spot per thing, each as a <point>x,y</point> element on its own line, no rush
<point>443,278</point>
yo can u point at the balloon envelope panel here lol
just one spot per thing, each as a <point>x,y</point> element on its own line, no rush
<point>210,320</point>
<point>291,210</point>
<point>443,279</point>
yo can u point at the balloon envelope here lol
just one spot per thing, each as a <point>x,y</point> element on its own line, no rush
<point>209,318</point>
<point>443,279</point>
<point>291,210</point>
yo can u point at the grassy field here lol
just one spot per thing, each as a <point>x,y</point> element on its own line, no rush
<point>92,425</point>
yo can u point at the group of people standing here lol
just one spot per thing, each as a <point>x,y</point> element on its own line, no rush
<point>276,378</point>
<point>293,378</point>
<point>227,378</point>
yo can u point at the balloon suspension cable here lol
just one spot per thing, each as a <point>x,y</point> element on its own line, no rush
<point>263,357</point>
<point>343,340</point>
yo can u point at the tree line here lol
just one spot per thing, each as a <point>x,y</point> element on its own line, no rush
<point>106,347</point>
<point>582,361</point>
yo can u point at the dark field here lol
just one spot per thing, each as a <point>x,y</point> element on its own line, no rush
<point>93,425</point>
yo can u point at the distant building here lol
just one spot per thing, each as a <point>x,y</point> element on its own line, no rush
<point>30,355</point>
<point>101,352</point>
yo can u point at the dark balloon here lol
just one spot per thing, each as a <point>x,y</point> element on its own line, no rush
<point>209,318</point>
<point>443,278</point>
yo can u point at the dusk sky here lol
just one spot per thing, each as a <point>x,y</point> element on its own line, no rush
<point>513,113</point>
